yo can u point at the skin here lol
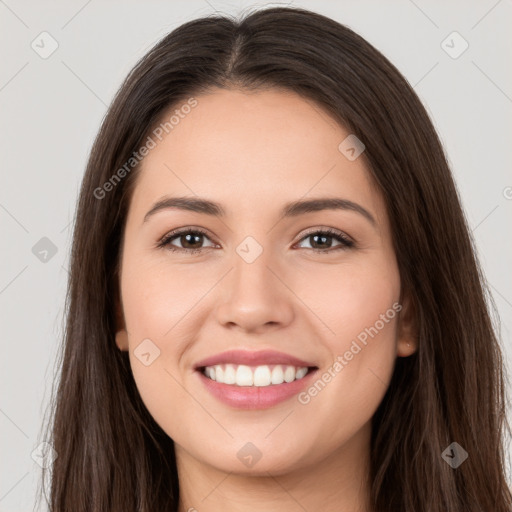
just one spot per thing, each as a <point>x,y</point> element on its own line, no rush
<point>254,152</point>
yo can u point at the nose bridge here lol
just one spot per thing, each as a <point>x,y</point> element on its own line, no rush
<point>251,276</point>
<point>254,295</point>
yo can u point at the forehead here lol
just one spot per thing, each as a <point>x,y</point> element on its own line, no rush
<point>249,150</point>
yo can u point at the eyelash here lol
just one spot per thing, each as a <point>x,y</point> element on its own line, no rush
<point>165,242</point>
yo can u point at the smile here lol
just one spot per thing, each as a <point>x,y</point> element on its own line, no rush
<point>246,379</point>
<point>260,376</point>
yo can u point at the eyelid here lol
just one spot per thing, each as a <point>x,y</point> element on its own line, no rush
<point>326,229</point>
<point>345,241</point>
<point>164,240</point>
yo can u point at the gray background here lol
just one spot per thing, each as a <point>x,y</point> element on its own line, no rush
<point>51,110</point>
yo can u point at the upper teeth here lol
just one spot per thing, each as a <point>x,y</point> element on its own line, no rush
<point>242,375</point>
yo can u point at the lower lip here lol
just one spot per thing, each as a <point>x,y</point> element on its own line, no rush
<point>255,397</point>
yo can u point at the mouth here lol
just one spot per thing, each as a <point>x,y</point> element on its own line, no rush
<point>254,380</point>
<point>255,376</point>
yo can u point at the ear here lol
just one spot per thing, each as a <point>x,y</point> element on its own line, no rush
<point>121,332</point>
<point>407,337</point>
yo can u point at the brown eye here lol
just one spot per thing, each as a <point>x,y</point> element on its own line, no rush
<point>322,240</point>
<point>189,240</point>
<point>192,240</point>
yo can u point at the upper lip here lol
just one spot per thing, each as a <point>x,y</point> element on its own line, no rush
<point>253,358</point>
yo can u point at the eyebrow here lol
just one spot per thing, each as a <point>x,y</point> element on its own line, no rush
<point>292,209</point>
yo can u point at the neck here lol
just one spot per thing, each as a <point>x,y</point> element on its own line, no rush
<point>337,482</point>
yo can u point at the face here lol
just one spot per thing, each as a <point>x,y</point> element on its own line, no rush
<point>255,294</point>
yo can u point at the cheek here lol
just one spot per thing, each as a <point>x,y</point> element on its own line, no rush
<point>158,300</point>
<point>161,311</point>
<point>353,298</point>
<point>360,307</point>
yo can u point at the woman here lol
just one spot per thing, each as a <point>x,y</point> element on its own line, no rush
<point>274,299</point>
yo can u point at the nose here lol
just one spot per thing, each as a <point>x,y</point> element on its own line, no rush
<point>254,297</point>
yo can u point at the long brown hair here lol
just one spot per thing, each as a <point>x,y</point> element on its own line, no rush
<point>112,456</point>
